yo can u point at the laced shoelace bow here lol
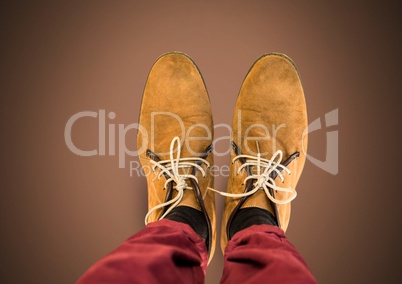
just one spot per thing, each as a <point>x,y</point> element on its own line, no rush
<point>262,177</point>
<point>170,168</point>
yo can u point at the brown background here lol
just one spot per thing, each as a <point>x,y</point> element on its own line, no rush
<point>61,212</point>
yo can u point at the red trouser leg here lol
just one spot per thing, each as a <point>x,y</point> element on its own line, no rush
<point>164,252</point>
<point>262,254</point>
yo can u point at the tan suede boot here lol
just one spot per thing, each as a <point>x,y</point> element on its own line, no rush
<point>175,141</point>
<point>267,157</point>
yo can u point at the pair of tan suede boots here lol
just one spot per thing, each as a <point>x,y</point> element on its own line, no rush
<point>268,144</point>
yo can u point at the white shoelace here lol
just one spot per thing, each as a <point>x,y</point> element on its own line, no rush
<point>264,168</point>
<point>171,169</point>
